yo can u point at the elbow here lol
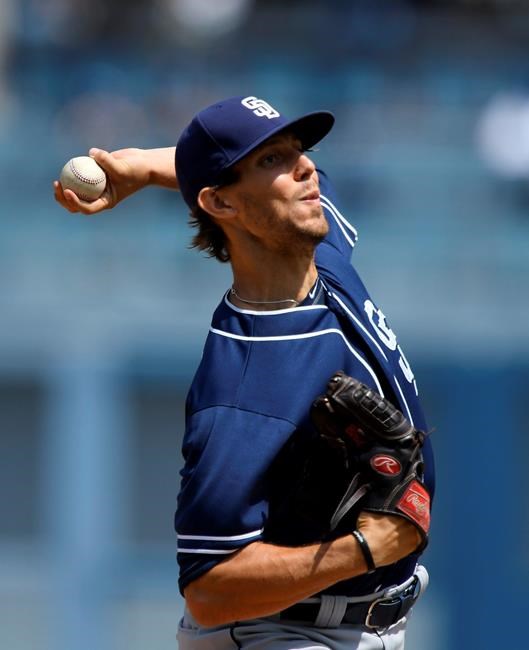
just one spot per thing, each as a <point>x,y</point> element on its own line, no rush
<point>201,606</point>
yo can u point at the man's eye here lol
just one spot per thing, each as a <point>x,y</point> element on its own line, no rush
<point>271,159</point>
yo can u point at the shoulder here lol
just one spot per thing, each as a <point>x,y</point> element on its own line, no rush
<point>252,360</point>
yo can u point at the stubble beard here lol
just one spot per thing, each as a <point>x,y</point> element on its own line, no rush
<point>305,238</point>
<point>289,237</point>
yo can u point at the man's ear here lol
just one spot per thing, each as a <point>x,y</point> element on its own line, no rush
<point>210,200</point>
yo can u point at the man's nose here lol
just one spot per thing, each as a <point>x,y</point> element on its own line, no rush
<point>304,168</point>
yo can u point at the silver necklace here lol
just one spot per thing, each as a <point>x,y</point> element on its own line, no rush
<point>262,302</point>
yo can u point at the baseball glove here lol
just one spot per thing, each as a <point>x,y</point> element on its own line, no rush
<point>384,454</point>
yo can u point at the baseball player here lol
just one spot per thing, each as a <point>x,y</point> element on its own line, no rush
<point>253,572</point>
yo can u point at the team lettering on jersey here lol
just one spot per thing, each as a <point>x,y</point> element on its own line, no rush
<point>387,336</point>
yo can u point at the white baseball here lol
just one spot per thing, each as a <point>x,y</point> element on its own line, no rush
<point>85,177</point>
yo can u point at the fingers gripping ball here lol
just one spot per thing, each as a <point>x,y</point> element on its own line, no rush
<point>85,177</point>
<point>384,449</point>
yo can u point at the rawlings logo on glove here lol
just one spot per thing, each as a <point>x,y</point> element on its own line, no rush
<point>384,453</point>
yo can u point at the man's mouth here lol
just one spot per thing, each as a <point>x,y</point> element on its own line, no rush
<point>311,196</point>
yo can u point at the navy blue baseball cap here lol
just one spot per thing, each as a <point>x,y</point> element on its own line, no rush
<point>223,133</point>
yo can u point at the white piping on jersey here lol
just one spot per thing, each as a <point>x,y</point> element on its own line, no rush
<point>340,219</point>
<point>353,317</point>
<point>340,216</point>
<point>306,335</point>
<point>405,402</point>
<point>215,538</point>
<point>271,312</point>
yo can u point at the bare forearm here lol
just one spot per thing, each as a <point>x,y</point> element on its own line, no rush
<point>262,579</point>
<point>161,163</point>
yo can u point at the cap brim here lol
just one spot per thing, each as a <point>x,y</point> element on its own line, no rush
<point>310,129</point>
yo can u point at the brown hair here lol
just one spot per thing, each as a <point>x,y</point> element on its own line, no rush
<point>210,236</point>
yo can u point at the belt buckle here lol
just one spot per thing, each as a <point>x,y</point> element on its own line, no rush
<point>391,599</point>
<point>376,602</point>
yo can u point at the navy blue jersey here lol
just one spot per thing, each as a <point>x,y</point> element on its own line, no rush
<point>257,379</point>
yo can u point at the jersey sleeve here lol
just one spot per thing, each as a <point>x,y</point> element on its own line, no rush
<point>223,502</point>
<point>342,236</point>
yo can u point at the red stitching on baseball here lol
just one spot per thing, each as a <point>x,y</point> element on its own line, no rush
<point>90,181</point>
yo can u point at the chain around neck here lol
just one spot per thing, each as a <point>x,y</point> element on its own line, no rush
<point>262,302</point>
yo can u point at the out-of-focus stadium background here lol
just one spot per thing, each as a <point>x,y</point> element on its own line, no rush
<point>102,319</point>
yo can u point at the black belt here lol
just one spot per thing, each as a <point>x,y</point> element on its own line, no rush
<point>379,613</point>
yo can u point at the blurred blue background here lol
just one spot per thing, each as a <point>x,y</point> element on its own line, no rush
<point>103,319</point>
